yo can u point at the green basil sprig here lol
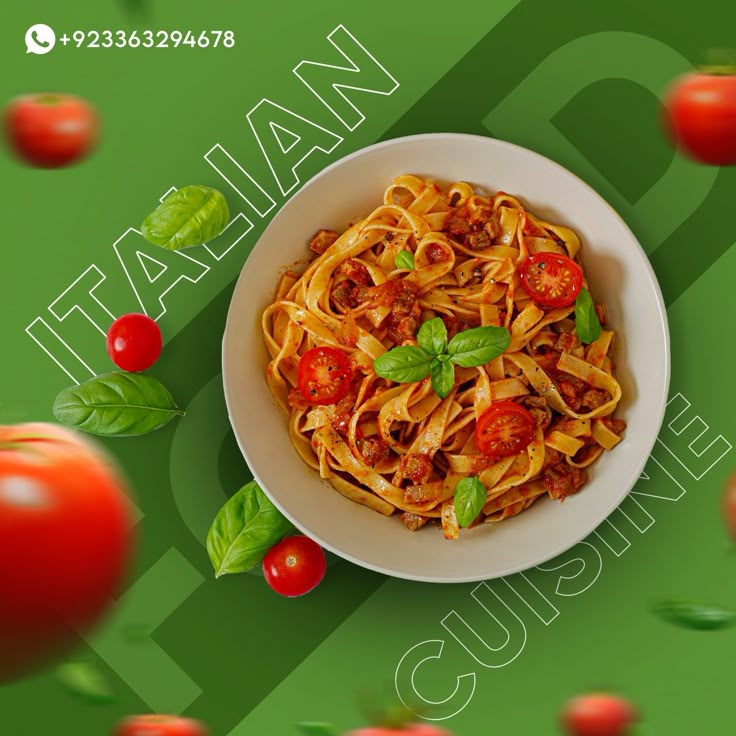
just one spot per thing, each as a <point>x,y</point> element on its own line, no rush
<point>116,405</point>
<point>693,615</point>
<point>470,497</point>
<point>188,216</point>
<point>435,357</point>
<point>587,324</point>
<point>245,528</point>
<point>404,259</point>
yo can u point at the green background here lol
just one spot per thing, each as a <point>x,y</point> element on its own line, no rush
<point>577,82</point>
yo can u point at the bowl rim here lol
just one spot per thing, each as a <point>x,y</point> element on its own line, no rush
<point>662,399</point>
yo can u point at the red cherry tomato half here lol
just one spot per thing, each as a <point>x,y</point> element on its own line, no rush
<point>598,714</point>
<point>294,566</point>
<point>64,512</point>
<point>154,725</point>
<point>504,429</point>
<point>551,280</point>
<point>134,342</point>
<point>700,117</point>
<point>324,375</point>
<point>51,130</point>
<point>729,505</point>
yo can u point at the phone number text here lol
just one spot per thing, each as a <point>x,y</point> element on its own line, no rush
<point>149,39</point>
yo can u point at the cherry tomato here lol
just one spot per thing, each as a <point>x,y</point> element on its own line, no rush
<point>64,513</point>
<point>700,117</point>
<point>324,375</point>
<point>598,714</point>
<point>294,566</point>
<point>551,280</point>
<point>154,725</point>
<point>729,505</point>
<point>411,729</point>
<point>504,429</point>
<point>134,342</point>
<point>51,130</point>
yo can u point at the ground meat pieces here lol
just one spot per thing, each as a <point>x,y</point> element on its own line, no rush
<point>537,407</point>
<point>562,480</point>
<point>571,389</point>
<point>413,521</point>
<point>343,411</point>
<point>566,342</point>
<point>416,468</point>
<point>594,398</point>
<point>374,450</point>
<point>478,239</point>
<point>617,426</point>
<point>453,325</point>
<point>343,297</point>
<point>296,399</point>
<point>475,229</point>
<point>551,457</point>
<point>437,254</point>
<point>322,240</point>
<point>355,272</point>
<point>547,360</point>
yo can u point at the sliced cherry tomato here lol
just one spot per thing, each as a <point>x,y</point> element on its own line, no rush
<point>155,725</point>
<point>324,375</point>
<point>134,342</point>
<point>294,566</point>
<point>551,280</point>
<point>504,429</point>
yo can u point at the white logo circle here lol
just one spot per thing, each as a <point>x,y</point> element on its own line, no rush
<point>40,39</point>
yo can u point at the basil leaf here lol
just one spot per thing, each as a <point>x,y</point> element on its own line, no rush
<point>693,615</point>
<point>188,216</point>
<point>480,345</point>
<point>587,324</point>
<point>432,336</point>
<point>406,364</point>
<point>85,681</point>
<point>317,729</point>
<point>470,497</point>
<point>442,374</point>
<point>404,259</point>
<point>245,528</point>
<point>116,405</point>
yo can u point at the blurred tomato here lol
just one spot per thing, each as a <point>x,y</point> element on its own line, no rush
<point>51,130</point>
<point>700,116</point>
<point>598,714</point>
<point>64,541</point>
<point>729,505</point>
<point>154,725</point>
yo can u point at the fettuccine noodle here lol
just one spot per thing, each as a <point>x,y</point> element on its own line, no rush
<point>399,446</point>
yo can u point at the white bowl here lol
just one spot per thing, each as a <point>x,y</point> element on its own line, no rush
<point>619,274</point>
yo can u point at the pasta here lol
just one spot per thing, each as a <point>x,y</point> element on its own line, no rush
<point>526,423</point>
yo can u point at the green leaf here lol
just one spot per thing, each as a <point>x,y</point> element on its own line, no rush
<point>245,528</point>
<point>404,259</point>
<point>85,681</point>
<point>406,364</point>
<point>587,324</point>
<point>442,374</point>
<point>478,346</point>
<point>693,615</point>
<point>317,729</point>
<point>188,216</point>
<point>470,497</point>
<point>432,336</point>
<point>116,405</point>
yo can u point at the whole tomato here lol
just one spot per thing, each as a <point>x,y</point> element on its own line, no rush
<point>598,714</point>
<point>411,729</point>
<point>729,506</point>
<point>51,130</point>
<point>700,116</point>
<point>64,541</point>
<point>159,725</point>
<point>294,566</point>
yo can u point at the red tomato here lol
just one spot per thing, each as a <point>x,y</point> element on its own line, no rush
<point>294,566</point>
<point>504,429</point>
<point>598,714</point>
<point>411,729</point>
<point>729,506</point>
<point>134,342</point>
<point>153,725</point>
<point>64,541</point>
<point>700,117</point>
<point>324,375</point>
<point>551,280</point>
<point>51,130</point>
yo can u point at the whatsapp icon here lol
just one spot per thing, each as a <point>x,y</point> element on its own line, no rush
<point>40,39</point>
